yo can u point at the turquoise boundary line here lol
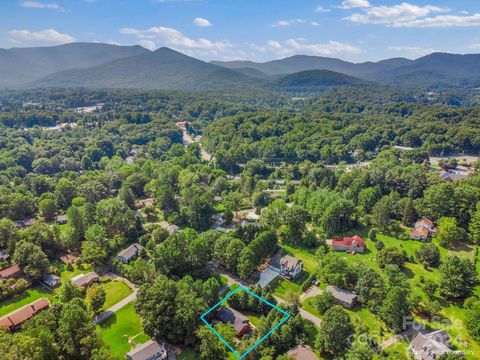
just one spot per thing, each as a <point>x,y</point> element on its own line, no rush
<point>240,287</point>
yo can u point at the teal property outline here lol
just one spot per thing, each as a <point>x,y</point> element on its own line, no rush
<point>240,287</point>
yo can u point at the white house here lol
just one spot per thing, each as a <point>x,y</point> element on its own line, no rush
<point>290,267</point>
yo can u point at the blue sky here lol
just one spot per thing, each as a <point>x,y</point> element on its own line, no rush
<point>354,30</point>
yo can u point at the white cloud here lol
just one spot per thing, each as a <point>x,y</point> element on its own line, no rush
<point>442,21</point>
<point>412,50</point>
<point>474,46</point>
<point>174,38</point>
<point>285,23</point>
<point>147,44</point>
<point>297,46</point>
<point>395,15</point>
<point>350,4</point>
<point>41,5</point>
<point>315,23</point>
<point>321,9</point>
<point>47,35</point>
<point>201,22</point>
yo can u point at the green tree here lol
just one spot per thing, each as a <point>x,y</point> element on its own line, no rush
<point>360,351</point>
<point>390,256</point>
<point>64,193</point>
<point>324,301</point>
<point>449,233</point>
<point>32,259</point>
<point>211,348</point>
<point>335,331</point>
<point>409,214</point>
<point>428,254</point>
<point>474,226</point>
<point>95,298</point>
<point>394,308</point>
<point>472,321</point>
<point>246,263</point>
<point>76,332</point>
<point>457,277</point>
<point>47,209</point>
<point>93,254</point>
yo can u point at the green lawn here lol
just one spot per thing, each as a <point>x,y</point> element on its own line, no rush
<point>415,272</point>
<point>116,290</point>
<point>119,328</point>
<point>282,287</point>
<point>28,296</point>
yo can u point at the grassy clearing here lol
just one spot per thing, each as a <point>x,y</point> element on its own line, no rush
<point>283,287</point>
<point>28,296</point>
<point>115,290</point>
<point>123,325</point>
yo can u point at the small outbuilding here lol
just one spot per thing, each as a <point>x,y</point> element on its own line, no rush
<point>52,280</point>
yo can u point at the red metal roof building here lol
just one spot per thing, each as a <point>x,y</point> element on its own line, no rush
<point>349,244</point>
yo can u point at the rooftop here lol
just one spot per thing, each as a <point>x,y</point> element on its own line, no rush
<point>231,316</point>
<point>147,350</point>
<point>302,352</point>
<point>130,251</point>
<point>341,294</point>
<point>289,261</point>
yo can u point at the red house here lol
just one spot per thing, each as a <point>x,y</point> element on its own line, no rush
<point>351,245</point>
<point>238,321</point>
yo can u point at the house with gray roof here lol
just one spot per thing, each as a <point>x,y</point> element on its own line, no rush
<point>342,297</point>
<point>129,254</point>
<point>430,346</point>
<point>151,350</point>
<point>290,267</point>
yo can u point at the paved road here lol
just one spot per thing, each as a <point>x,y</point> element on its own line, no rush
<point>305,314</point>
<point>311,292</point>
<point>122,303</point>
<point>187,139</point>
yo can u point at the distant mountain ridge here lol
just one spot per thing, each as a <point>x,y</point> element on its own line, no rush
<point>162,69</point>
<point>94,65</point>
<point>23,65</point>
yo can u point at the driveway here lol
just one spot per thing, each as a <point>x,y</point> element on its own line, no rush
<point>122,303</point>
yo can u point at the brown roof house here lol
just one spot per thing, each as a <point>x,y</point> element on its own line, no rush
<point>11,272</point>
<point>16,318</point>
<point>430,346</point>
<point>151,350</point>
<point>290,267</point>
<point>85,280</point>
<point>142,203</point>
<point>343,297</point>
<point>302,352</point>
<point>239,322</point>
<point>70,258</point>
<point>128,254</point>
<point>422,229</point>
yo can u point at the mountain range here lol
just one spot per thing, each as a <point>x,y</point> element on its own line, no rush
<point>95,65</point>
